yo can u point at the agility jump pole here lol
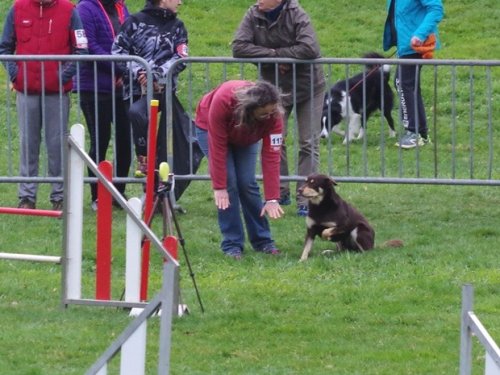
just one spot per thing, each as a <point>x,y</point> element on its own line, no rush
<point>133,254</point>
<point>148,204</point>
<point>104,222</point>
<point>30,257</point>
<point>137,230</point>
<point>73,232</point>
<point>31,212</point>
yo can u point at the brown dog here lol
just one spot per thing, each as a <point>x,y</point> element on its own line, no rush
<point>334,219</point>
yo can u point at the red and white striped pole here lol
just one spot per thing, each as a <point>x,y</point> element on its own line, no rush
<point>30,212</point>
<point>170,243</point>
<point>148,204</point>
<point>103,237</point>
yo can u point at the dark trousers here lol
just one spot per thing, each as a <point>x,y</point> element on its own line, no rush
<point>100,133</point>
<point>138,113</point>
<point>411,108</point>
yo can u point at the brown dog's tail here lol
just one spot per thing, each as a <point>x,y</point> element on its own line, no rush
<point>392,243</point>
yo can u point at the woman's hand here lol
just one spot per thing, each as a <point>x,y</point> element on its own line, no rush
<point>221,199</point>
<point>415,42</point>
<point>272,209</point>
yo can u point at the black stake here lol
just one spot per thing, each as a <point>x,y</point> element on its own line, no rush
<point>163,192</point>
<point>182,242</point>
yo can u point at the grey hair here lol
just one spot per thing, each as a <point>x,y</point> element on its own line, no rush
<point>253,96</point>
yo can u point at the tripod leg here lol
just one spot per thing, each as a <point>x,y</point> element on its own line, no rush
<point>181,241</point>
<point>149,219</point>
<point>170,244</point>
<point>167,216</point>
<point>164,214</point>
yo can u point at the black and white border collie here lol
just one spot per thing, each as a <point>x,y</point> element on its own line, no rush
<point>357,97</point>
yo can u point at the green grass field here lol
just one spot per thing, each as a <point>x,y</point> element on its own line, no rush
<point>388,311</point>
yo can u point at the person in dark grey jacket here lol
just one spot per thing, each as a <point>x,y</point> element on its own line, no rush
<point>158,36</point>
<point>281,28</point>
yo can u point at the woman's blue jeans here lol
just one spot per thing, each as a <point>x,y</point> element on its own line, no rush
<point>243,192</point>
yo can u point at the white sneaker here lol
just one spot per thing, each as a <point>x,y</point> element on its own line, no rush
<point>411,140</point>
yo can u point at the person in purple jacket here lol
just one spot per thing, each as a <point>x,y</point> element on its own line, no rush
<point>100,88</point>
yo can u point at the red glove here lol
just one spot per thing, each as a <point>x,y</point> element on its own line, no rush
<point>426,49</point>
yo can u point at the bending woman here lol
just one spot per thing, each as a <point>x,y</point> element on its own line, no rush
<point>234,121</point>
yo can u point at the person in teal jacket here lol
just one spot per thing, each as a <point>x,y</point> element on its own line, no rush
<point>412,26</point>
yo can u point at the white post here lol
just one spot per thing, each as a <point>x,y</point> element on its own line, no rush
<point>465,331</point>
<point>490,366</point>
<point>133,254</point>
<point>75,217</point>
<point>103,370</point>
<point>133,353</point>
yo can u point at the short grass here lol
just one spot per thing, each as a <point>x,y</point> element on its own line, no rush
<point>386,311</point>
<point>389,311</point>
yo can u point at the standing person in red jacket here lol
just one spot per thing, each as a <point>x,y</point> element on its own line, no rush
<point>42,27</point>
<point>234,121</point>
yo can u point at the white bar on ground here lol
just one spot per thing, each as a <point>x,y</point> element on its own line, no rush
<point>133,353</point>
<point>181,310</point>
<point>31,257</point>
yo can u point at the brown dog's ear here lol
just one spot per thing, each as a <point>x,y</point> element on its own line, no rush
<point>334,183</point>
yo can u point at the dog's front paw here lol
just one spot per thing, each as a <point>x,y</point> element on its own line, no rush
<point>328,233</point>
<point>328,253</point>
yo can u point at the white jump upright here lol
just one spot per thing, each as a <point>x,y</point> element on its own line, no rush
<point>76,162</point>
<point>472,326</point>
<point>73,240</point>
<point>133,254</point>
<point>133,353</point>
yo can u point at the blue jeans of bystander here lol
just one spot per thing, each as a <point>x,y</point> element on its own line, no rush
<point>243,192</point>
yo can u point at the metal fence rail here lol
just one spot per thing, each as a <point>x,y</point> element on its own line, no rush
<point>461,99</point>
<point>9,157</point>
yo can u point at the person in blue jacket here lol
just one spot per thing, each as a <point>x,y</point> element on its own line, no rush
<point>412,26</point>
<point>100,89</point>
